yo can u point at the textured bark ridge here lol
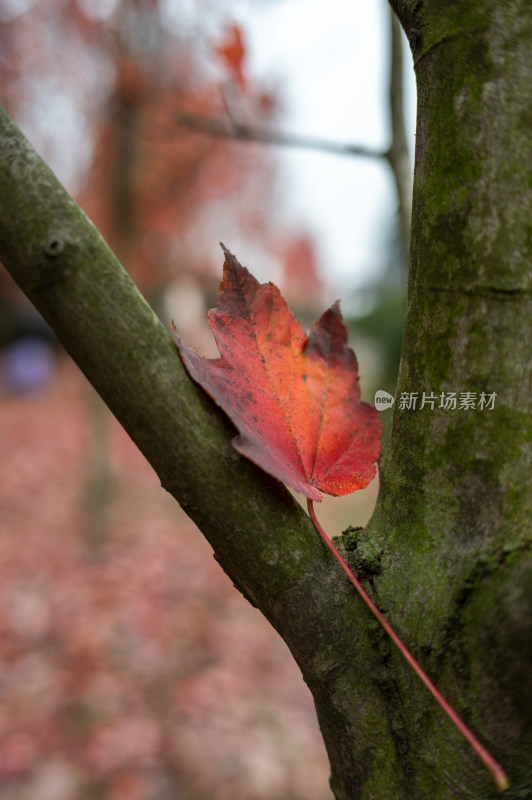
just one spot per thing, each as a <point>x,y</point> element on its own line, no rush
<point>453,519</point>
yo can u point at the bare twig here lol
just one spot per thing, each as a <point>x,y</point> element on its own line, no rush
<point>236,130</point>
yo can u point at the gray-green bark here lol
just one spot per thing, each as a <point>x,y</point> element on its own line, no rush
<point>456,500</point>
<point>455,578</point>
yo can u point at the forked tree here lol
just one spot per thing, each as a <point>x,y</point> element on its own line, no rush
<point>453,515</point>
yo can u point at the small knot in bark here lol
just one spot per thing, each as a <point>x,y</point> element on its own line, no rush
<point>54,247</point>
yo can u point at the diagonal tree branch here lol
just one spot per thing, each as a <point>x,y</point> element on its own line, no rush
<point>260,536</point>
<point>66,269</point>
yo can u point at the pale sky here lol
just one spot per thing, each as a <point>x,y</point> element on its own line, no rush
<point>330,62</point>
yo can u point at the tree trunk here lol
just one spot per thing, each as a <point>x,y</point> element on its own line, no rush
<point>455,503</point>
<point>452,523</point>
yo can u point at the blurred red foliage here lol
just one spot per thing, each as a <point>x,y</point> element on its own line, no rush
<point>133,669</point>
<point>105,85</point>
<point>301,277</point>
<point>232,52</point>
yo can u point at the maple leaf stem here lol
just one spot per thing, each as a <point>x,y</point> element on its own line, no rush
<point>496,770</point>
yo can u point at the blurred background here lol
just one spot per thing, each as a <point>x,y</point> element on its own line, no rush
<point>129,665</point>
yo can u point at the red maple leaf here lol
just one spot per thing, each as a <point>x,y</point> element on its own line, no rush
<point>295,400</point>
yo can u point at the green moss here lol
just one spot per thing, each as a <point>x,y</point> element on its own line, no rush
<point>362,550</point>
